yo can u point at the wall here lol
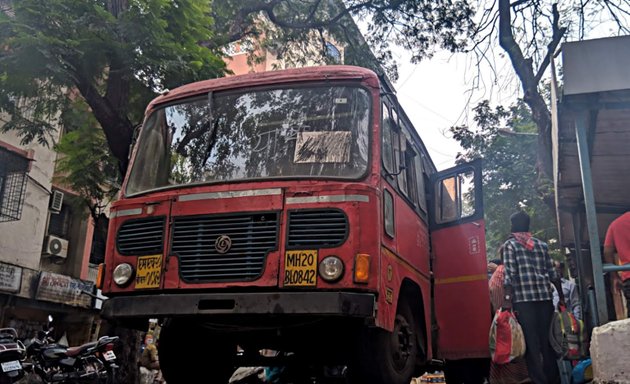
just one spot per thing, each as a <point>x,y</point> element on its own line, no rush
<point>21,241</point>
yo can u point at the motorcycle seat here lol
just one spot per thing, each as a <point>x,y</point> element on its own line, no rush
<point>75,351</point>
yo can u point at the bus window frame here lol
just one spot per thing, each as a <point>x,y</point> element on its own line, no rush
<point>266,87</point>
<point>418,203</point>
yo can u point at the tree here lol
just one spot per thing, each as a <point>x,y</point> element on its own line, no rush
<point>418,26</point>
<point>86,165</point>
<point>530,32</point>
<point>119,53</point>
<point>506,139</point>
<point>114,54</point>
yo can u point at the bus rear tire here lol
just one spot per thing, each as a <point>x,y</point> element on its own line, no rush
<point>388,357</point>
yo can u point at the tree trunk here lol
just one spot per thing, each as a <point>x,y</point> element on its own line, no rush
<point>523,68</point>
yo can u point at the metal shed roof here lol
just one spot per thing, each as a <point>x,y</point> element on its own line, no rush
<point>591,144</point>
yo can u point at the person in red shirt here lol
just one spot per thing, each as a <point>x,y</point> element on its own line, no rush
<point>618,241</point>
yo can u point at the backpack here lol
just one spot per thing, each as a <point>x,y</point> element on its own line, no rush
<point>567,335</point>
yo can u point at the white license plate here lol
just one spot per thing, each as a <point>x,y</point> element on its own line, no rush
<point>109,355</point>
<point>11,366</point>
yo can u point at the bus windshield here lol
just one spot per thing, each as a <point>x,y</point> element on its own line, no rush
<point>270,133</point>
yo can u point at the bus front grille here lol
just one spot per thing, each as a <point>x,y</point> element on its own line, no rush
<point>141,236</point>
<point>229,247</point>
<point>317,228</point>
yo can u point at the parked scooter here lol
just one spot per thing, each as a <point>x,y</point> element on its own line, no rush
<point>93,362</point>
<point>12,354</point>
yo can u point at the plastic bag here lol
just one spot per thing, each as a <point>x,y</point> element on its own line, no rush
<point>507,341</point>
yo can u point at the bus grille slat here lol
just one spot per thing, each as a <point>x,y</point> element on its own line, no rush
<point>141,237</point>
<point>253,236</point>
<point>317,228</point>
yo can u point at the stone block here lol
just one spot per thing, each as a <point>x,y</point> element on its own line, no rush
<point>610,353</point>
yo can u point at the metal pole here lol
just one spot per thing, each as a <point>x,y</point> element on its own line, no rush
<point>591,217</point>
<point>616,268</point>
<point>579,261</point>
<point>592,305</point>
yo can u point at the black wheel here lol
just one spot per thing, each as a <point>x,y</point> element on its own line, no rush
<point>466,371</point>
<point>389,357</point>
<point>186,353</point>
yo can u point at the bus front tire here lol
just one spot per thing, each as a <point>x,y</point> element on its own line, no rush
<point>388,357</point>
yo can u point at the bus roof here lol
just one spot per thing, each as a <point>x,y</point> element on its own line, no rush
<point>328,72</point>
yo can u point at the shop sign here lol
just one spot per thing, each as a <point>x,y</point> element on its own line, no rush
<point>10,278</point>
<point>64,289</point>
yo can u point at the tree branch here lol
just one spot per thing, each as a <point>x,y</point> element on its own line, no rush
<point>558,34</point>
<point>118,129</point>
<point>532,97</point>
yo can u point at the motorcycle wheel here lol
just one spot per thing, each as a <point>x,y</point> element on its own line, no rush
<point>187,353</point>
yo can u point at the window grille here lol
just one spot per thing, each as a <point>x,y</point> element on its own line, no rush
<point>13,176</point>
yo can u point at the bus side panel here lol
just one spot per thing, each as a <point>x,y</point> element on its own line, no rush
<point>462,299</point>
<point>394,271</point>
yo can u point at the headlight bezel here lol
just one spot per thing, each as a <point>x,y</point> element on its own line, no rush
<point>324,263</point>
<point>124,271</point>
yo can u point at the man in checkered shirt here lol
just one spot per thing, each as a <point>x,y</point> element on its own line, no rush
<point>529,273</point>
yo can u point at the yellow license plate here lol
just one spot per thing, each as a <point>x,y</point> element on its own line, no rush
<point>300,268</point>
<point>148,271</point>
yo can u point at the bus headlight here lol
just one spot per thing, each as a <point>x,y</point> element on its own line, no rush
<point>331,268</point>
<point>122,274</point>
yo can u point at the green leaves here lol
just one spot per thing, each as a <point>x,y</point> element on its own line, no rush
<point>507,141</point>
<point>115,55</point>
<point>85,164</point>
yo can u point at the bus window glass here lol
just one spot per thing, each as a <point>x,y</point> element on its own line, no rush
<point>388,156</point>
<point>410,173</point>
<point>447,200</point>
<point>422,200</point>
<point>467,186</point>
<point>456,197</point>
<point>388,213</point>
<point>395,142</point>
<point>292,132</point>
<point>399,151</point>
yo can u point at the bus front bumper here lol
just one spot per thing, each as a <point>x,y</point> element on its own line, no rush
<point>274,303</point>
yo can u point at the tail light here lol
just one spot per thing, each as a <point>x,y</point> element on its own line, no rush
<point>109,346</point>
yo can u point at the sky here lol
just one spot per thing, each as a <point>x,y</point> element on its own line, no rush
<point>437,94</point>
<point>433,94</point>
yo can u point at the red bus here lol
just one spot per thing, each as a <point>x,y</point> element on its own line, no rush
<point>298,211</point>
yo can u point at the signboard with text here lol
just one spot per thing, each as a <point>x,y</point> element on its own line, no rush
<point>64,289</point>
<point>10,278</point>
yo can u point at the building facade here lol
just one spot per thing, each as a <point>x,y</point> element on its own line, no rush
<point>45,246</point>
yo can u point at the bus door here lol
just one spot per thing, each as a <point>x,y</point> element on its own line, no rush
<point>461,300</point>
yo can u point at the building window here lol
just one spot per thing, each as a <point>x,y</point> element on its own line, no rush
<point>59,224</point>
<point>14,169</point>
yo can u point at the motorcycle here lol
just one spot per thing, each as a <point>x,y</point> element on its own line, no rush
<point>12,354</point>
<point>93,362</point>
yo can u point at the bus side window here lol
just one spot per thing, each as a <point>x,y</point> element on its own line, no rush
<point>447,200</point>
<point>402,155</point>
<point>455,197</point>
<point>422,200</point>
<point>398,142</point>
<point>410,173</point>
<point>388,156</point>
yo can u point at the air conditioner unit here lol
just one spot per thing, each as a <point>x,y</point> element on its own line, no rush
<point>56,246</point>
<point>56,201</point>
